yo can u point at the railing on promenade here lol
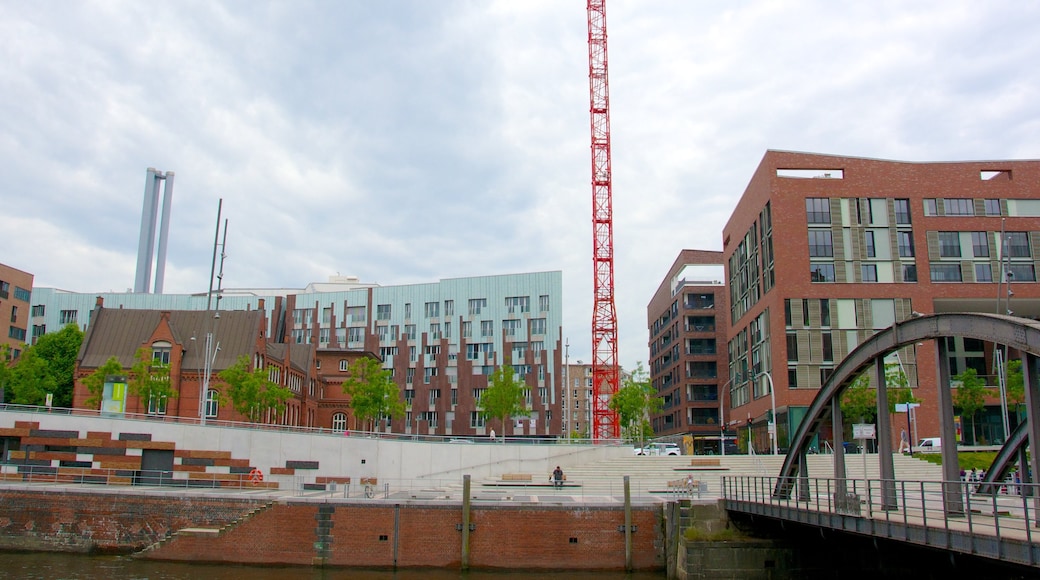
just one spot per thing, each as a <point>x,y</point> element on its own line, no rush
<point>943,514</point>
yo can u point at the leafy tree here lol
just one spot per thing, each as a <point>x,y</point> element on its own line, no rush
<point>1016,387</point>
<point>970,396</point>
<point>59,351</point>
<point>634,402</point>
<point>899,391</point>
<point>30,380</point>
<point>250,391</point>
<point>5,370</point>
<point>150,379</point>
<point>504,396</point>
<point>859,401</point>
<point>95,381</point>
<point>373,394</point>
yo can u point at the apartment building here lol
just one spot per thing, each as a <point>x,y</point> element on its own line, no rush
<point>576,400</point>
<point>822,251</point>
<point>15,292</point>
<point>687,322</point>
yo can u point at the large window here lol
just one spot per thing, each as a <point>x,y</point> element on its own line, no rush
<point>980,244</point>
<point>518,304</point>
<point>992,207</point>
<point>821,272</point>
<point>909,272</point>
<point>868,244</point>
<point>339,422</point>
<point>537,326</point>
<point>212,404</point>
<point>487,328</point>
<point>382,312</point>
<point>957,206</point>
<point>477,305</point>
<point>905,241</point>
<point>1023,272</point>
<point>820,245</point>
<point>983,273</point>
<point>946,272</point>
<point>432,309</point>
<point>817,210</point>
<point>1018,244</point>
<point>510,326</point>
<point>949,245</point>
<point>869,272</point>
<point>902,207</point>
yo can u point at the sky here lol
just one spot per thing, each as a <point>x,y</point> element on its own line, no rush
<point>406,141</point>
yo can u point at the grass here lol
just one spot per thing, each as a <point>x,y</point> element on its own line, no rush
<point>967,460</point>
<point>695,535</point>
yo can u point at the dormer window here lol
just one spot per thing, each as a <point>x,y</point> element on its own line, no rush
<point>161,352</point>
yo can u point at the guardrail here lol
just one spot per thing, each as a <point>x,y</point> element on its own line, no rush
<point>941,514</point>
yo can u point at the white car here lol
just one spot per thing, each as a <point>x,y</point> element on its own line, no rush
<point>658,449</point>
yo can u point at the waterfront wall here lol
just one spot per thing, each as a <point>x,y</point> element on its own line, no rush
<point>363,533</point>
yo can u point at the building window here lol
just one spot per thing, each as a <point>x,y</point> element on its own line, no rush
<point>324,334</point>
<point>821,272</point>
<point>980,244</point>
<point>5,289</point>
<point>16,333</point>
<point>949,245</point>
<point>805,312</point>
<point>825,312</point>
<point>956,206</point>
<point>156,405</point>
<point>467,329</point>
<point>449,308</point>
<point>212,404</point>
<point>543,303</point>
<point>818,210</point>
<point>792,378</point>
<point>931,208</point>
<point>902,207</point>
<point>161,353</point>
<point>356,334</point>
<point>382,312</point>
<point>511,326</point>
<point>905,241</point>
<point>946,272</point>
<point>909,272</point>
<point>343,364</point>
<point>828,347</point>
<point>14,313</point>
<point>992,207</point>
<point>381,332</point>
<point>518,304</point>
<point>983,273</point>
<point>792,347</point>
<point>39,310</point>
<point>435,331</point>
<point>869,272</point>
<point>868,244</point>
<point>1018,244</point>
<point>820,244</point>
<point>477,305</point>
<point>487,328</point>
<point>537,326</point>
<point>358,314</point>
<point>67,317</point>
<point>1022,272</point>
<point>476,419</point>
<point>339,422</point>
<point>787,312</point>
<point>22,294</point>
<point>432,310</point>
<point>409,331</point>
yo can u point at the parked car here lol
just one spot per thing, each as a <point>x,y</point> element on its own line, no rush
<point>930,444</point>
<point>658,449</point>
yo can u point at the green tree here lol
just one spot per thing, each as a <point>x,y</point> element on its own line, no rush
<point>150,380</point>
<point>251,393</point>
<point>5,371</point>
<point>634,402</point>
<point>1016,386</point>
<point>859,401</point>
<point>504,397</point>
<point>30,380</point>
<point>95,381</point>
<point>59,351</point>
<point>970,396</point>
<point>373,393</point>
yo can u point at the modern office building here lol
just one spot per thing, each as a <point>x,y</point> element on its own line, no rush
<point>441,340</point>
<point>687,319</point>
<point>822,251</point>
<point>15,291</point>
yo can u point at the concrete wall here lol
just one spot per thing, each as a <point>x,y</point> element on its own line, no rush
<point>389,460</point>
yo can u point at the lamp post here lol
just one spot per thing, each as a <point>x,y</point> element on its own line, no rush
<point>771,426</point>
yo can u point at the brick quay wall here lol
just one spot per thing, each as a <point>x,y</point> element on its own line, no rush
<point>167,525</point>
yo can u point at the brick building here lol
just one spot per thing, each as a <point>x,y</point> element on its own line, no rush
<point>15,291</point>
<point>821,251</point>
<point>687,320</point>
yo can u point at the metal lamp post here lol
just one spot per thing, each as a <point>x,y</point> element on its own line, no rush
<point>771,426</point>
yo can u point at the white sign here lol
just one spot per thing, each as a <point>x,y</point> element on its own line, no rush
<point>772,428</point>
<point>863,431</point>
<point>902,407</point>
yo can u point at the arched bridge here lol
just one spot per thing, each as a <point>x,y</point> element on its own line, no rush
<point>1018,333</point>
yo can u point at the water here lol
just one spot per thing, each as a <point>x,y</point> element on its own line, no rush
<point>45,566</point>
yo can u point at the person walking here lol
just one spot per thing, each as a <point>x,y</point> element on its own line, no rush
<point>557,477</point>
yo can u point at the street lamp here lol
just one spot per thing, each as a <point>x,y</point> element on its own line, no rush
<point>772,422</point>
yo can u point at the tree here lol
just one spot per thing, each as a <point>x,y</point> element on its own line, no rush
<point>251,393</point>
<point>5,371</point>
<point>95,381</point>
<point>634,402</point>
<point>59,351</point>
<point>504,396</point>
<point>373,394</point>
<point>1016,386</point>
<point>30,380</point>
<point>970,396</point>
<point>150,380</point>
<point>859,402</point>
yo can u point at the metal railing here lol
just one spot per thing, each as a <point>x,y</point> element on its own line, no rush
<point>942,514</point>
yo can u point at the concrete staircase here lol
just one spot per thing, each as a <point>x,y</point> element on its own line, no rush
<point>204,532</point>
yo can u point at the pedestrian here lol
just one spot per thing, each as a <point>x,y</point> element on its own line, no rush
<point>557,477</point>
<point>492,434</point>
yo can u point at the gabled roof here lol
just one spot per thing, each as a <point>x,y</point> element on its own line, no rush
<point>120,332</point>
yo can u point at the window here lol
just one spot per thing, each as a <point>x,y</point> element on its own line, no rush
<point>343,364</point>
<point>1018,244</point>
<point>980,244</point>
<point>478,394</point>
<point>817,210</point>
<point>449,308</point>
<point>909,272</point>
<point>477,305</point>
<point>387,352</point>
<point>511,326</point>
<point>161,353</point>
<point>476,419</point>
<point>805,312</point>
<point>22,294</point>
<point>931,208</point>
<point>787,312</point>
<point>1022,272</point>
<point>212,404</point>
<point>983,273</point>
<point>825,312</point>
<point>902,207</point>
<point>157,405</point>
<point>949,245</point>
<point>543,303</point>
<point>14,313</point>
<point>956,206</point>
<point>946,272</point>
<point>992,207</point>
<point>518,304</point>
<point>381,332</point>
<point>820,245</point>
<point>432,309</point>
<point>67,317</point>
<point>356,334</point>
<point>869,272</point>
<point>382,312</point>
<point>435,331</point>
<point>868,244</point>
<point>474,350</point>
<point>411,354</point>
<point>821,272</point>
<point>302,316</point>
<point>447,330</point>
<point>487,328</point>
<point>409,331</point>
<point>792,347</point>
<point>339,422</point>
<point>39,310</point>
<point>467,329</point>
<point>905,241</point>
<point>38,331</point>
<point>828,346</point>
<point>324,334</point>
<point>16,333</point>
<point>429,372</point>
<point>537,326</point>
<point>358,314</point>
<point>5,289</point>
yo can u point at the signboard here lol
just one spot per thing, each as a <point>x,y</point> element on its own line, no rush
<point>863,431</point>
<point>903,407</point>
<point>113,397</point>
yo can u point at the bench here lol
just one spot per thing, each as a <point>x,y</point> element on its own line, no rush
<point>686,486</point>
<point>516,477</point>
<point>705,462</point>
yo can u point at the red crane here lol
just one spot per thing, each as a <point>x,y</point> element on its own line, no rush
<point>605,372</point>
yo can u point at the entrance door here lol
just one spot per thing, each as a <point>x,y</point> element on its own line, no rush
<point>156,467</point>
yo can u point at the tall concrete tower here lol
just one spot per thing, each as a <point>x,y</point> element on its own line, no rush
<point>146,244</point>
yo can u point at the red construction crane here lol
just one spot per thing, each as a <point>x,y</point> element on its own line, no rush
<point>605,372</point>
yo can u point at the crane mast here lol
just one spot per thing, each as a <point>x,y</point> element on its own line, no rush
<point>605,372</point>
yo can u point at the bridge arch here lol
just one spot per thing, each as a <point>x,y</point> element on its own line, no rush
<point>1018,333</point>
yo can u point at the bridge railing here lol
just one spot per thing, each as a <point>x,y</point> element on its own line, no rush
<point>936,513</point>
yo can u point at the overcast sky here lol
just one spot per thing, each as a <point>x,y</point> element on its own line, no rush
<point>404,141</point>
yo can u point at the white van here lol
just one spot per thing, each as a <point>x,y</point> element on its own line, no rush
<point>929,444</point>
<point>658,449</point>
